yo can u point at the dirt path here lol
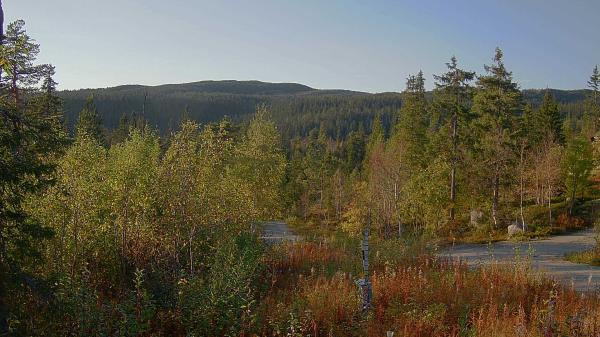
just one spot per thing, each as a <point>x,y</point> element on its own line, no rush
<point>277,231</point>
<point>548,257</point>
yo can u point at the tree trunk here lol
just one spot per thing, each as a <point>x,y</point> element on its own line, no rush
<point>550,205</point>
<point>396,210</point>
<point>496,194</point>
<point>572,203</point>
<point>522,164</point>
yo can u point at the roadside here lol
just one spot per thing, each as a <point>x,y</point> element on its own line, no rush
<point>547,257</point>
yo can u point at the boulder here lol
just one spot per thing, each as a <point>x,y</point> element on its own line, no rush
<point>476,216</point>
<point>514,229</point>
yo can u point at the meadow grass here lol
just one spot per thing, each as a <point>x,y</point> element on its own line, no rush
<point>313,293</point>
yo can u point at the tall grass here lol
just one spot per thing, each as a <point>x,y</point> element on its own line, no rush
<point>313,294</point>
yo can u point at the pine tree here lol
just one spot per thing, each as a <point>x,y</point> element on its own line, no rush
<point>453,93</point>
<point>89,122</point>
<point>497,102</point>
<point>20,53</point>
<point>30,134</point>
<point>591,115</point>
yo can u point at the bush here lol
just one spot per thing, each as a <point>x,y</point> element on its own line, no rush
<point>566,222</point>
<point>86,312</point>
<point>224,302</point>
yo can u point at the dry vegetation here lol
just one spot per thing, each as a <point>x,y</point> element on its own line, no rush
<point>416,296</point>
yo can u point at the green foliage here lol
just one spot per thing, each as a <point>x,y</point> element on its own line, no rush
<point>132,169</point>
<point>591,113</point>
<point>497,103</point>
<point>31,135</point>
<point>412,122</point>
<point>425,197</point>
<point>452,101</point>
<point>83,311</point>
<point>262,164</point>
<point>89,123</point>
<point>547,119</point>
<point>577,167</point>
<point>75,206</point>
<point>158,236</point>
<point>225,302</point>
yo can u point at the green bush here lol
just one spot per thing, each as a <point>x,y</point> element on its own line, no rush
<point>84,312</point>
<point>223,303</point>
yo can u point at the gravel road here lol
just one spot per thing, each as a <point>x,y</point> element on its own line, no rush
<point>548,257</point>
<point>277,231</point>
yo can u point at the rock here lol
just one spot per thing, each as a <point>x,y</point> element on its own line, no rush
<point>514,229</point>
<point>476,216</point>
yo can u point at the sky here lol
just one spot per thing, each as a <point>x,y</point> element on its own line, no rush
<point>363,45</point>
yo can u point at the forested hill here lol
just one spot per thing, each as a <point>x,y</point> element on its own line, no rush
<point>296,108</point>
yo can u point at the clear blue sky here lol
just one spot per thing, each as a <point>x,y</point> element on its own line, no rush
<point>360,45</point>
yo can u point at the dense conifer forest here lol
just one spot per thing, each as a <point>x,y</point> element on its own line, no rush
<point>296,108</point>
<point>137,211</point>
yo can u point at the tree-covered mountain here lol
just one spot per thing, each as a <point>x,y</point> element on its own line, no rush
<point>296,108</point>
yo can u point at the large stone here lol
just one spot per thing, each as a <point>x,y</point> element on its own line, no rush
<point>514,229</point>
<point>476,216</point>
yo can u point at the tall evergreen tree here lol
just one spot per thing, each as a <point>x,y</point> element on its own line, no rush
<point>412,123</point>
<point>594,84</point>
<point>454,95</point>
<point>591,115</point>
<point>89,122</point>
<point>22,72</point>
<point>377,135</point>
<point>577,167</point>
<point>497,102</point>
<point>29,135</point>
<point>121,133</point>
<point>547,121</point>
<point>355,149</point>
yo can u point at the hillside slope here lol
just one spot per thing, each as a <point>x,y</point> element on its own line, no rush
<point>296,108</point>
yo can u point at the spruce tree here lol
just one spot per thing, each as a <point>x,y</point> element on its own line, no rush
<point>594,83</point>
<point>411,127</point>
<point>547,120</point>
<point>89,122</point>
<point>497,102</point>
<point>454,96</point>
<point>577,167</point>
<point>377,135</point>
<point>121,133</point>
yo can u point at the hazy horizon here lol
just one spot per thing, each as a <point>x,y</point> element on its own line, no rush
<point>250,80</point>
<point>336,45</point>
